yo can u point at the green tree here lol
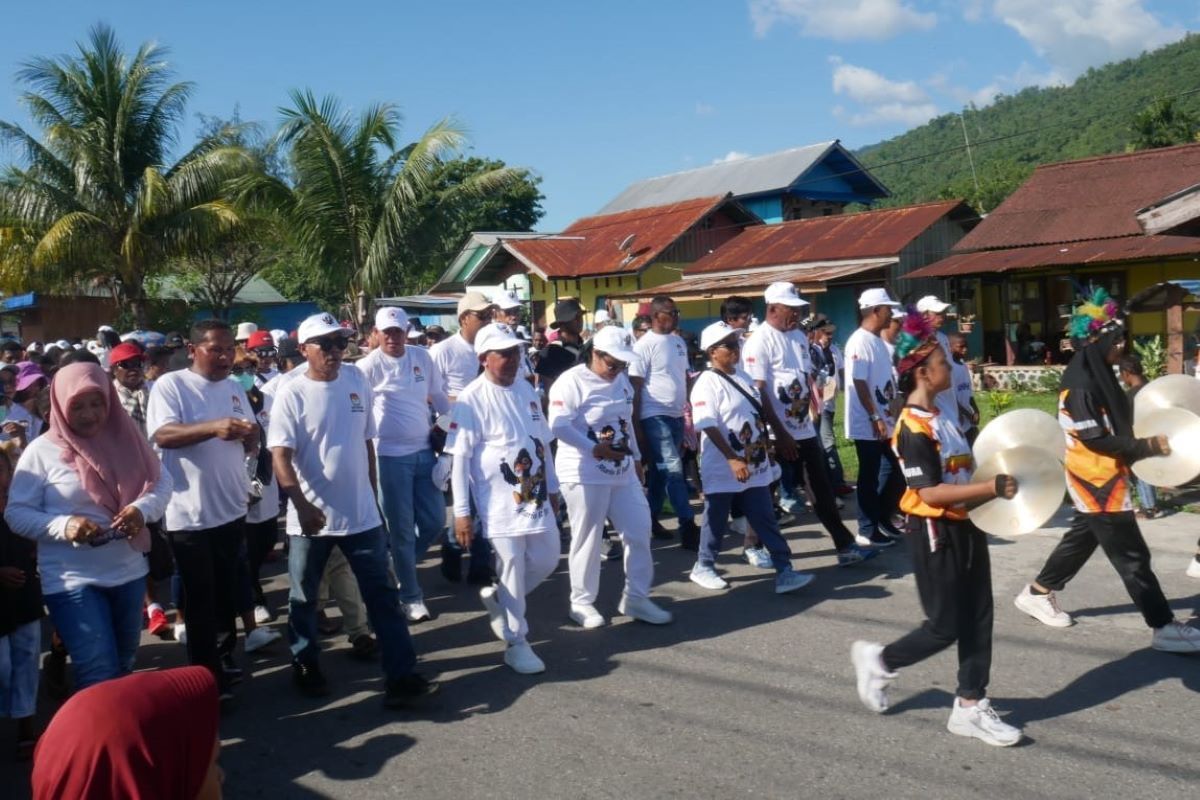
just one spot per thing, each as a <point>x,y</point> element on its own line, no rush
<point>996,181</point>
<point>357,195</point>
<point>1162,124</point>
<point>95,199</point>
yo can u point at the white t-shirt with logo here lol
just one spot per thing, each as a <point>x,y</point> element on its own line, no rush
<point>961,389</point>
<point>327,424</point>
<point>663,365</point>
<point>867,360</point>
<point>404,389</point>
<point>211,487</point>
<point>586,409</point>
<point>455,358</point>
<point>717,404</point>
<point>780,359</point>
<point>504,438</point>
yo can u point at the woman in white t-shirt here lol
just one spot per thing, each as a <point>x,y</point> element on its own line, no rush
<point>591,414</point>
<point>501,444</point>
<point>734,460</point>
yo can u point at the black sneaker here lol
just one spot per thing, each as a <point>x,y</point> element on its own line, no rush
<point>309,680</point>
<point>232,672</point>
<point>451,563</point>
<point>689,535</point>
<point>408,691</point>
<point>659,532</point>
<point>364,647</point>
<point>615,551</point>
<point>880,539</point>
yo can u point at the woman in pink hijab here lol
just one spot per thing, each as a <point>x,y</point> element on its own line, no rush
<point>84,492</point>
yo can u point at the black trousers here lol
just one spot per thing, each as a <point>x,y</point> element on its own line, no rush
<point>1118,534</point>
<point>955,585</point>
<point>811,464</point>
<point>207,561</point>
<point>260,540</point>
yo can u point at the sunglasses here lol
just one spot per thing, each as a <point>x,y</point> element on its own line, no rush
<point>129,364</point>
<point>265,352</point>
<point>331,343</point>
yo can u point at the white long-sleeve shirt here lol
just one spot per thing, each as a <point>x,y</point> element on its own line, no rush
<point>45,494</point>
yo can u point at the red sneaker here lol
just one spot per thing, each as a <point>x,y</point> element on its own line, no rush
<point>844,490</point>
<point>159,626</point>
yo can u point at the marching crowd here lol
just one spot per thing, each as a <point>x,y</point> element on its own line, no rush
<point>141,468</point>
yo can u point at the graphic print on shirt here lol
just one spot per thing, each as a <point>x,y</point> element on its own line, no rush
<point>356,403</point>
<point>529,492</point>
<point>794,399</point>
<point>617,440</point>
<point>752,447</point>
<point>884,398</point>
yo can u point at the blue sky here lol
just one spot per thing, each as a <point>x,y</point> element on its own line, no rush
<point>593,96</point>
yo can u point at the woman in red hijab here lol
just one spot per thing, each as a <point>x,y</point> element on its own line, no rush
<point>84,492</point>
<point>147,736</point>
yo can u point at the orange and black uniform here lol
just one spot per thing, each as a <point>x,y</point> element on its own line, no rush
<point>950,555</point>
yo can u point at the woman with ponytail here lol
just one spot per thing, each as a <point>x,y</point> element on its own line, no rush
<point>950,555</point>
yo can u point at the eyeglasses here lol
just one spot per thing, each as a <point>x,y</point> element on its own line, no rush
<point>265,352</point>
<point>129,364</point>
<point>331,342</point>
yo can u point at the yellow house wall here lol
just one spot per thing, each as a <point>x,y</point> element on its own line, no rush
<point>589,290</point>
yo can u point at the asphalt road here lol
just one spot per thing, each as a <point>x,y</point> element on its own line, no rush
<point>747,694</point>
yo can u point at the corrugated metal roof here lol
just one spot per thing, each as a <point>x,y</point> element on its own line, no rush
<point>809,278</point>
<point>1095,251</point>
<point>1093,198</point>
<point>596,250</point>
<point>870,234</point>
<point>773,172</point>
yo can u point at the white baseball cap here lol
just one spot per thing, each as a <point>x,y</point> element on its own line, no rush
<point>506,300</point>
<point>783,292</point>
<point>930,302</point>
<point>615,341</point>
<point>391,317</point>
<point>63,344</point>
<point>318,325</point>
<point>278,335</point>
<point>876,297</point>
<point>601,317</point>
<point>244,329</point>
<point>718,332</point>
<point>495,336</point>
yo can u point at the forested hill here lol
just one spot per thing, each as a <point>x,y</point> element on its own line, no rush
<point>1009,138</point>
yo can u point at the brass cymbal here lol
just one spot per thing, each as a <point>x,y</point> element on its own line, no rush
<point>1169,391</point>
<point>1022,427</point>
<point>1041,485</point>
<point>1182,429</point>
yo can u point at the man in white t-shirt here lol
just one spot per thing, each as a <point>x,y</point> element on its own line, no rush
<point>964,392</point>
<point>320,439</point>
<point>934,311</point>
<point>829,365</point>
<point>407,388</point>
<point>203,426</point>
<point>500,441</point>
<point>870,389</point>
<point>455,358</point>
<point>776,358</point>
<point>591,414</point>
<point>660,380</point>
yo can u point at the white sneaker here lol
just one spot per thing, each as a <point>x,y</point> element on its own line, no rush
<point>871,675</point>
<point>982,722</point>
<point>1177,637</point>
<point>523,660</point>
<point>791,507</point>
<point>586,616</point>
<point>495,613</point>
<point>262,615</point>
<point>1043,607</point>
<point>260,638</point>
<point>645,610</point>
<point>758,557</point>
<point>1193,570</point>
<point>789,581</point>
<point>739,526</point>
<point>708,578</point>
<point>416,612</point>
<point>862,541</point>
<point>180,631</point>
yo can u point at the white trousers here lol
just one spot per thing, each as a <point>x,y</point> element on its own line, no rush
<point>522,562</point>
<point>626,507</point>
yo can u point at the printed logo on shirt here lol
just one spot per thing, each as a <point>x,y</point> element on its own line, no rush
<point>530,490</point>
<point>417,376</point>
<point>751,442</point>
<point>794,399</point>
<point>356,403</point>
<point>616,438</point>
<point>679,350</point>
<point>913,472</point>
<point>535,411</point>
<point>237,405</point>
<point>750,360</point>
<point>557,403</point>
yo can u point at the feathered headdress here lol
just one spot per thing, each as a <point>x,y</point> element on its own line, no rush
<point>1094,314</point>
<point>916,341</point>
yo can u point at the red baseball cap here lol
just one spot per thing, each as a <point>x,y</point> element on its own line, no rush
<point>259,339</point>
<point>124,352</point>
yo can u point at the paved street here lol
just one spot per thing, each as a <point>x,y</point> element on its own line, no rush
<point>747,694</point>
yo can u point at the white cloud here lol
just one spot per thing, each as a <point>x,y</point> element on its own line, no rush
<point>732,155</point>
<point>844,20</point>
<point>883,101</point>
<point>1073,35</point>
<point>705,110</point>
<point>1025,76</point>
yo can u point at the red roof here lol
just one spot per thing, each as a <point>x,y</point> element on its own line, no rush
<point>869,234</point>
<point>1093,251</point>
<point>805,279</point>
<point>598,252</point>
<point>1094,198</point>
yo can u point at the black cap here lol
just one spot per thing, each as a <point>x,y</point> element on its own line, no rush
<point>288,348</point>
<point>816,322</point>
<point>566,311</point>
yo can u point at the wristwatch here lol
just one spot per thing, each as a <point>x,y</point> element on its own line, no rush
<point>874,418</point>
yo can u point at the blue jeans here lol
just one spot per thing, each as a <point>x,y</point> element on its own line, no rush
<point>1147,497</point>
<point>101,626</point>
<point>760,514</point>
<point>664,440</point>
<point>880,485</point>
<point>367,555</point>
<point>414,512</point>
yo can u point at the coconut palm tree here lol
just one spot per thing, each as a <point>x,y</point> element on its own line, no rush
<point>95,200</point>
<point>355,194</point>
